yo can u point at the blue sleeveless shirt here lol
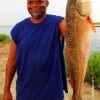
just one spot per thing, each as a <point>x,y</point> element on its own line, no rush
<point>39,60</point>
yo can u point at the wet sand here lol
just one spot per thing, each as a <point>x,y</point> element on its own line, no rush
<point>88,94</point>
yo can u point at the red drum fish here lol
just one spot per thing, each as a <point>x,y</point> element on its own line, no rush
<point>77,43</point>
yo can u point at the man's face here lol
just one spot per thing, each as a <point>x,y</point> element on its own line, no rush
<point>37,8</point>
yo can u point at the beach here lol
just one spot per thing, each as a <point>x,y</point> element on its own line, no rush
<point>88,94</point>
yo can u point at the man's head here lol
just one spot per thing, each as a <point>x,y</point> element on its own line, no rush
<point>37,8</point>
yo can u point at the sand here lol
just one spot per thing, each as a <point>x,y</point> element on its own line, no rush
<point>88,94</point>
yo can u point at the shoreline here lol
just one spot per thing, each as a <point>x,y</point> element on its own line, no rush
<point>97,25</point>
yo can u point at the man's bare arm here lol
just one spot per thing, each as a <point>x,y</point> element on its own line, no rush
<point>62,27</point>
<point>10,68</point>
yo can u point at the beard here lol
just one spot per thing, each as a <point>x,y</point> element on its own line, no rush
<point>37,15</point>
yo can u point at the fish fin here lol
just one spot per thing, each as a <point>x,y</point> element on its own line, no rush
<point>91,24</point>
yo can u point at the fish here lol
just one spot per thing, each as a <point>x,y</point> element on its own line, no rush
<point>78,26</point>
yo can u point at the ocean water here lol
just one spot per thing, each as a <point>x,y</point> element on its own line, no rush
<point>94,38</point>
<point>5,29</point>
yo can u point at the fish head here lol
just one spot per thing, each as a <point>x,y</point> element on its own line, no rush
<point>84,9</point>
<point>79,11</point>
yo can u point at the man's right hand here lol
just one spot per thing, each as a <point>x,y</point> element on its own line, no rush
<point>7,96</point>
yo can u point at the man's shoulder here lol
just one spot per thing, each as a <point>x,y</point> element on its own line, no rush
<point>54,19</point>
<point>22,22</point>
<point>54,16</point>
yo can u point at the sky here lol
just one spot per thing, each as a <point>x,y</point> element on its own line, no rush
<point>12,11</point>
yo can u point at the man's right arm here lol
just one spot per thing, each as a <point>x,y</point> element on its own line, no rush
<point>10,71</point>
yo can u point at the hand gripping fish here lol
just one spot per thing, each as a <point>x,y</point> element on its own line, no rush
<point>77,43</point>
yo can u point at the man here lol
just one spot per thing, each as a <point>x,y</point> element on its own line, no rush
<point>36,54</point>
